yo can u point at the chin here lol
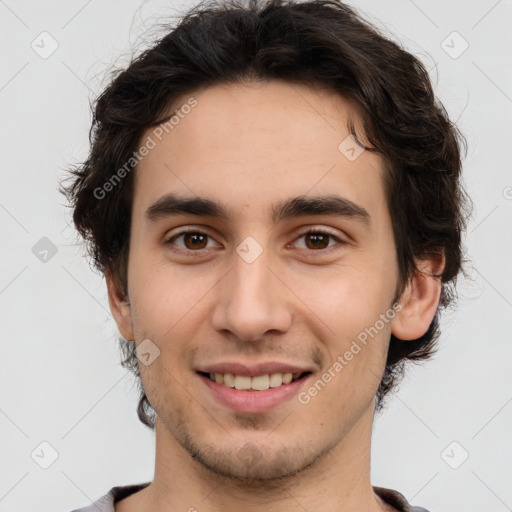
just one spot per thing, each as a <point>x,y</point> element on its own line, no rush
<point>253,465</point>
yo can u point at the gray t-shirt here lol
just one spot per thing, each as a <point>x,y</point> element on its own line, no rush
<point>106,503</point>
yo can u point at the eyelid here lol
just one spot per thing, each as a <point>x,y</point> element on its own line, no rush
<point>319,229</point>
<point>304,231</point>
<point>186,230</point>
<point>325,231</point>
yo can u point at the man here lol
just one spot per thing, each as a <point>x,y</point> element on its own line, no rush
<point>273,193</point>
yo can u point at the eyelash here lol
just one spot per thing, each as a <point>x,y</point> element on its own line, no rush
<point>314,231</point>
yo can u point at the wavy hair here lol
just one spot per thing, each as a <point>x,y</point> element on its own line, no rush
<point>320,43</point>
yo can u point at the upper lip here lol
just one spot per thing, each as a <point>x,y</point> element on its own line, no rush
<point>252,370</point>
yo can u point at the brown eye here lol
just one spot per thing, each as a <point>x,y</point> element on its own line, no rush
<point>195,240</point>
<point>317,240</point>
<point>192,241</point>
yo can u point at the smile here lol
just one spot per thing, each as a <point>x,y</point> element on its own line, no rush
<point>256,394</point>
<point>256,383</point>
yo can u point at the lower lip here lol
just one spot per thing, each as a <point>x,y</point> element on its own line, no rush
<point>253,401</point>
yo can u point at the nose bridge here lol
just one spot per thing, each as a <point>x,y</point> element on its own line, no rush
<point>251,279</point>
<point>252,301</point>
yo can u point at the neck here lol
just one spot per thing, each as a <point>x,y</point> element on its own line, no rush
<point>339,479</point>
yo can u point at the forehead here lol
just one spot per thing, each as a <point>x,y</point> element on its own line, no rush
<point>251,146</point>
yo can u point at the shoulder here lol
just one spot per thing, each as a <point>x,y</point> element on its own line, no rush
<point>103,504</point>
<point>106,502</point>
<point>397,500</point>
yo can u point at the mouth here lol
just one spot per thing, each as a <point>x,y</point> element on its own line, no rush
<point>252,394</point>
<point>257,383</point>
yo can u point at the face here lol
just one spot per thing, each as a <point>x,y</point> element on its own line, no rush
<point>252,282</point>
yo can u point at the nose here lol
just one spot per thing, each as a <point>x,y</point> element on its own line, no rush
<point>252,301</point>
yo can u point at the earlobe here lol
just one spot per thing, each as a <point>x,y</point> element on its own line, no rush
<point>119,306</point>
<point>420,300</point>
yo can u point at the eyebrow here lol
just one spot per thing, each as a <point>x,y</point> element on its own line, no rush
<point>172,204</point>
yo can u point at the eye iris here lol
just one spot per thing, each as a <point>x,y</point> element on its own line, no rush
<point>199,241</point>
<point>318,240</point>
<point>195,237</point>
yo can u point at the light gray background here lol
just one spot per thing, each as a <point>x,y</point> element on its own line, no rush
<point>61,381</point>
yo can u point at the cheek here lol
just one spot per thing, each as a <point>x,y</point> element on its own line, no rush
<point>349,295</point>
<point>346,308</point>
<point>164,296</point>
<point>354,339</point>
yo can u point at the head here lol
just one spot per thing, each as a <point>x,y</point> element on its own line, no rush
<point>248,105</point>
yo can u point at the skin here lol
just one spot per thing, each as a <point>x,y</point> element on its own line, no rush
<point>250,146</point>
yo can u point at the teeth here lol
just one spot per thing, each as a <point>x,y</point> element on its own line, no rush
<point>287,378</point>
<point>229,380</point>
<point>276,379</point>
<point>258,383</point>
<point>242,382</point>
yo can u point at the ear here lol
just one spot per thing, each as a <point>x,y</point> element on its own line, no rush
<point>420,300</point>
<point>120,307</point>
